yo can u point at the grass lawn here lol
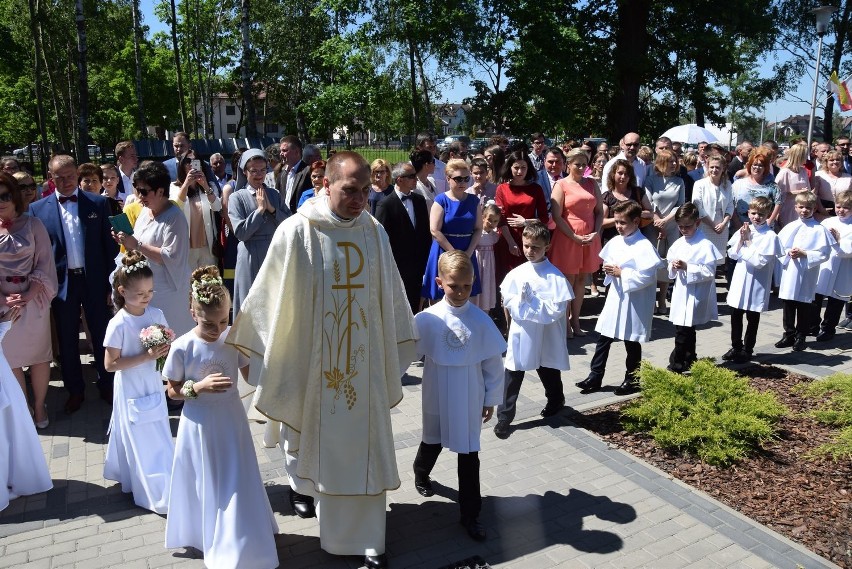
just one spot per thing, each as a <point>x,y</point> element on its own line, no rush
<point>391,155</point>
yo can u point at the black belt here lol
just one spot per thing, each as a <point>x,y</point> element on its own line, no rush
<point>80,271</point>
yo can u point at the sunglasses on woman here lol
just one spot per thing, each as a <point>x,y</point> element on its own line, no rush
<point>6,197</point>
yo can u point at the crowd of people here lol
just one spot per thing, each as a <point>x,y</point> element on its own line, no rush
<point>338,274</point>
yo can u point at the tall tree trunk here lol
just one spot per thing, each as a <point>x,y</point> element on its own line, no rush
<point>841,33</point>
<point>430,119</point>
<point>251,116</point>
<point>699,93</point>
<point>630,62</point>
<point>189,42</point>
<point>69,76</point>
<point>83,86</point>
<point>137,56</point>
<point>415,107</point>
<point>42,128</point>
<point>61,132</point>
<point>177,68</point>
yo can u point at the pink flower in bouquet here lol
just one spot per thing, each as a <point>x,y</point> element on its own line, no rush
<point>157,335</point>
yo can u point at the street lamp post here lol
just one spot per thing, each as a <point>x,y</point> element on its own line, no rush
<point>823,15</point>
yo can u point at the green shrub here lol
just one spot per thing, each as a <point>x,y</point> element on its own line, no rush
<point>712,413</point>
<point>835,410</point>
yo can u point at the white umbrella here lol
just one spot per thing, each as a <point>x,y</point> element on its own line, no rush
<point>690,134</point>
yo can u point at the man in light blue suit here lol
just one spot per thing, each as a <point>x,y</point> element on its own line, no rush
<point>84,253</point>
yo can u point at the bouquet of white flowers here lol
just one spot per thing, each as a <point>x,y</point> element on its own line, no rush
<point>157,335</point>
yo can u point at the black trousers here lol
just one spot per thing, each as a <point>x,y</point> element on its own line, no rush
<point>412,292</point>
<point>833,309</point>
<point>470,500</point>
<point>753,319</point>
<point>684,350</point>
<point>598,366</point>
<point>67,315</point>
<point>551,379</point>
<point>798,317</point>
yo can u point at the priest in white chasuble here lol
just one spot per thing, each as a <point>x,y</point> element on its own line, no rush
<point>330,333</point>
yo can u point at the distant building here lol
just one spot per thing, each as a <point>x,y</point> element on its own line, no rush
<point>453,117</point>
<point>226,117</point>
<point>795,125</point>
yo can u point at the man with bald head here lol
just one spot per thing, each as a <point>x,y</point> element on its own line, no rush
<point>629,145</point>
<point>330,333</point>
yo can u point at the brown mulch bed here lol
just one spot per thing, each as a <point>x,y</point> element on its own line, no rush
<point>809,500</point>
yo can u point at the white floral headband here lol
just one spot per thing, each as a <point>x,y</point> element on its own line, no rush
<point>198,293</point>
<point>138,265</point>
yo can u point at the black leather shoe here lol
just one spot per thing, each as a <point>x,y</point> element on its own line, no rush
<point>302,505</point>
<point>376,561</point>
<point>799,344</point>
<point>742,357</point>
<point>825,335</point>
<point>730,354</point>
<point>501,430</point>
<point>475,530</point>
<point>627,387</point>
<point>589,385</point>
<point>785,342</point>
<point>553,407</point>
<point>75,401</point>
<point>424,488</point>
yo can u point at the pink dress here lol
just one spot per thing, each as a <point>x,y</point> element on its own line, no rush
<point>26,258</point>
<point>487,299</point>
<point>578,210</point>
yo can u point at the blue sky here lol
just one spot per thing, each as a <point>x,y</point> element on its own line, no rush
<point>777,110</point>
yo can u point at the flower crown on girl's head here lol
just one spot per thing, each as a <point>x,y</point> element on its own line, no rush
<point>198,293</point>
<point>136,266</point>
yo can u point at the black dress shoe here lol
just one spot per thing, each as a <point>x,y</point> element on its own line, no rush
<point>302,505</point>
<point>731,354</point>
<point>474,529</point>
<point>553,407</point>
<point>742,357</point>
<point>75,401</point>
<point>376,561</point>
<point>589,385</point>
<point>501,430</point>
<point>799,344</point>
<point>424,488</point>
<point>825,335</point>
<point>785,342</point>
<point>627,387</point>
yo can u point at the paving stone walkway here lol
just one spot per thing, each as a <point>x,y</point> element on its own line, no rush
<point>554,494</point>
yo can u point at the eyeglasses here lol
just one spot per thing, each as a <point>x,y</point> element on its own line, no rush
<point>460,179</point>
<point>256,171</point>
<point>843,144</point>
<point>27,187</point>
<point>407,177</point>
<point>758,166</point>
<point>142,191</point>
<point>6,197</point>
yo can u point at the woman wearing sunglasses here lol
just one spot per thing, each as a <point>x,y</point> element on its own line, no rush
<point>455,221</point>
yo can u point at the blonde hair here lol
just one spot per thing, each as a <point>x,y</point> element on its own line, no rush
<point>207,288</point>
<point>843,199</point>
<point>796,156</point>
<point>456,165</point>
<point>454,262</point>
<point>806,198</point>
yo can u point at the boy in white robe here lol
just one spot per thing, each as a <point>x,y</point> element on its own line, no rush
<point>536,296</point>
<point>462,382</point>
<point>692,261</point>
<point>835,275</point>
<point>755,248</point>
<point>630,264</point>
<point>805,246</point>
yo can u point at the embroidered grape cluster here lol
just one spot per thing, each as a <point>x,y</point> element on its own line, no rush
<point>351,397</point>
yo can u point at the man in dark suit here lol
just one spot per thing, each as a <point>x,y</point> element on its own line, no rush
<point>83,250</point>
<point>295,175</point>
<point>405,218</point>
<point>738,162</point>
<point>842,146</point>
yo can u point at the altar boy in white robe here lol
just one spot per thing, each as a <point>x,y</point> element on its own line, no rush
<point>630,264</point>
<point>536,295</point>
<point>754,248</point>
<point>805,245</point>
<point>835,275</point>
<point>692,261</point>
<point>462,382</point>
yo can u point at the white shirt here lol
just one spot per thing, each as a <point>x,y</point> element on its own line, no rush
<point>291,177</point>
<point>73,232</point>
<point>752,278</point>
<point>439,177</point>
<point>639,169</point>
<point>798,278</point>
<point>407,203</point>
<point>694,293</point>
<point>127,183</point>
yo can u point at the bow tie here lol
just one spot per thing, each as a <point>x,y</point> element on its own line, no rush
<point>63,199</point>
<point>404,197</point>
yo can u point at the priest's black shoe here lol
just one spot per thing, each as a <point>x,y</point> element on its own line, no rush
<point>799,344</point>
<point>475,530</point>
<point>825,335</point>
<point>785,341</point>
<point>424,488</point>
<point>627,387</point>
<point>376,561</point>
<point>589,385</point>
<point>302,505</point>
<point>553,407</point>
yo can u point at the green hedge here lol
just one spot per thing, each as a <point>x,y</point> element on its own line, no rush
<point>834,410</point>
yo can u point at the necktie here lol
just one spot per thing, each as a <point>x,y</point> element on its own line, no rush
<point>63,199</point>
<point>405,197</point>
